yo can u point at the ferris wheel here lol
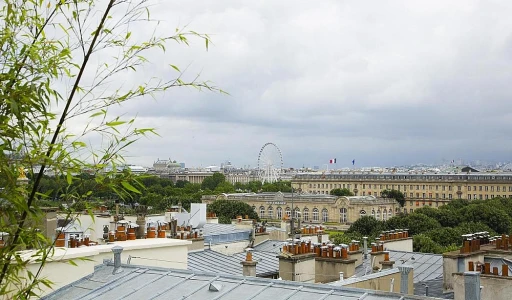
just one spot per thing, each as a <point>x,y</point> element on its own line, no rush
<point>270,163</point>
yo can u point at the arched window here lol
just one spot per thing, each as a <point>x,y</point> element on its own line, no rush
<point>297,212</point>
<point>379,216</point>
<point>325,215</point>
<point>362,213</point>
<point>270,212</point>
<point>305,214</point>
<point>384,214</point>
<point>288,212</point>
<point>390,213</point>
<point>343,215</point>
<point>262,212</point>
<point>373,213</point>
<point>279,213</point>
<point>315,214</point>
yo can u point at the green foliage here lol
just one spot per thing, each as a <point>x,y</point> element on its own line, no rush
<point>367,226</point>
<point>344,238</point>
<point>395,194</point>
<point>226,210</point>
<point>440,230</point>
<point>278,186</point>
<point>341,192</point>
<point>46,85</point>
<point>211,183</point>
<point>418,223</point>
<point>423,243</point>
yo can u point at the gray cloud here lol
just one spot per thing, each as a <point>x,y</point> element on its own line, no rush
<point>384,83</point>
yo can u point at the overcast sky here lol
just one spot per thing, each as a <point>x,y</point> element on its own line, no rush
<point>383,82</point>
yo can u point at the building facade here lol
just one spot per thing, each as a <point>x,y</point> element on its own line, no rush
<point>419,189</point>
<point>311,208</point>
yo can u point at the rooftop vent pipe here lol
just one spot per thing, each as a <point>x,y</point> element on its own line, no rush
<point>117,259</point>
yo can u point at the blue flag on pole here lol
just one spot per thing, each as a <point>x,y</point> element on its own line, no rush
<point>353,162</point>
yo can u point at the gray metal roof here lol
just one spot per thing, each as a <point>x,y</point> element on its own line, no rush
<point>224,233</point>
<point>270,246</point>
<point>426,266</point>
<point>136,282</point>
<point>211,261</point>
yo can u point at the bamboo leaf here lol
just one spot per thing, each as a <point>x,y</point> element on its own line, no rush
<point>175,68</point>
<point>115,123</point>
<point>130,187</point>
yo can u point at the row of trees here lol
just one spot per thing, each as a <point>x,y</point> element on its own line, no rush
<point>159,193</point>
<point>439,230</point>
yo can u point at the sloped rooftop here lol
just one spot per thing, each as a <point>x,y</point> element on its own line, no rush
<point>211,261</point>
<point>136,282</point>
<point>428,268</point>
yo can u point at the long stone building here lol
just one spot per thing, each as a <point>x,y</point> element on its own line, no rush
<point>419,189</point>
<point>311,208</point>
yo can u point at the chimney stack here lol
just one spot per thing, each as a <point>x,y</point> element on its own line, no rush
<point>387,263</point>
<point>117,259</point>
<point>404,279</point>
<point>248,265</point>
<point>365,247</point>
<point>472,285</point>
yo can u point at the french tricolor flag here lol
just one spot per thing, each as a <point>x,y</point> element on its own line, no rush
<point>332,161</point>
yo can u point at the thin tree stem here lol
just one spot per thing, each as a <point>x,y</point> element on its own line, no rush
<point>31,198</point>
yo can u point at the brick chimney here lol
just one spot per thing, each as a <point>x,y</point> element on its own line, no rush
<point>248,265</point>
<point>459,261</point>
<point>332,261</point>
<point>386,263</point>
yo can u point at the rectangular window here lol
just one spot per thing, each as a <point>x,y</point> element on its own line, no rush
<point>423,195</point>
<point>480,196</point>
<point>469,188</point>
<point>437,195</point>
<point>417,195</point>
<point>444,188</point>
<point>437,188</point>
<point>469,196</point>
<point>364,185</point>
<point>480,188</point>
<point>444,196</point>
<point>411,195</point>
<point>449,196</point>
<point>450,188</point>
<point>410,202</point>
<point>423,187</point>
<point>417,187</point>
<point>486,197</point>
<point>498,189</point>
